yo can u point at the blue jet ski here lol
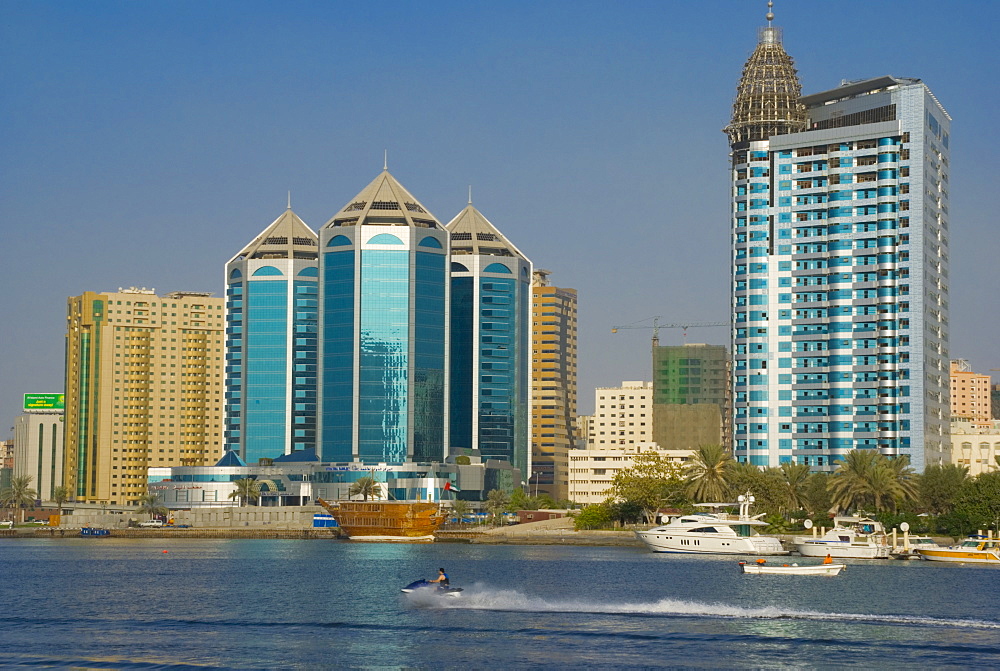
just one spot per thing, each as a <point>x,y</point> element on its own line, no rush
<point>431,588</point>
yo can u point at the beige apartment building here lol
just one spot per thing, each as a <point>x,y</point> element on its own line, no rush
<point>970,394</point>
<point>143,389</point>
<point>553,385</point>
<point>592,470</point>
<point>975,445</point>
<point>623,416</point>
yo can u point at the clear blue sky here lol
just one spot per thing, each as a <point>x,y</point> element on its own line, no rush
<point>145,143</point>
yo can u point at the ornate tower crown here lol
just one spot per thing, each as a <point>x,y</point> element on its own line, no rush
<point>767,97</point>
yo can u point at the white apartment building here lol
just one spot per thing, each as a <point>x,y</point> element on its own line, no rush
<point>591,470</point>
<point>974,445</point>
<point>623,416</point>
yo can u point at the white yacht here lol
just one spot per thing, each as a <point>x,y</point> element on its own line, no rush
<point>712,533</point>
<point>850,538</point>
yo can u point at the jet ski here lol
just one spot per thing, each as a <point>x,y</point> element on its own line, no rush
<point>431,588</point>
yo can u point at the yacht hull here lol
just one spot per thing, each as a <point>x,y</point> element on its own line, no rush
<point>706,544</point>
<point>961,556</point>
<point>841,550</point>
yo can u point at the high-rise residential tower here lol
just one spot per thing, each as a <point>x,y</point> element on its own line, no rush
<point>271,324</point>
<point>970,394</point>
<point>143,389</point>
<point>553,385</point>
<point>840,264</point>
<point>383,330</point>
<point>490,341</point>
<point>691,403</point>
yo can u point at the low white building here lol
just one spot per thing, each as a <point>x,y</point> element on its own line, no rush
<point>975,445</point>
<point>591,470</point>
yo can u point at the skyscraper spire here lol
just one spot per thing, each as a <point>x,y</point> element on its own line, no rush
<point>767,97</point>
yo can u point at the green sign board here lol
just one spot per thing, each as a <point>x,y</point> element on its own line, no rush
<point>43,401</point>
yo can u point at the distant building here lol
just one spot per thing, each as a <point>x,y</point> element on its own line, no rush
<point>975,445</point>
<point>272,303</point>
<point>490,341</point>
<point>840,232</point>
<point>592,470</point>
<point>38,450</point>
<point>553,384</point>
<point>995,401</point>
<point>691,396</point>
<point>970,394</point>
<point>143,389</point>
<point>623,416</point>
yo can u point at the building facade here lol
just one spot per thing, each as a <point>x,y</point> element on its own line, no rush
<point>592,470</point>
<point>490,341</point>
<point>553,384</point>
<point>975,445</point>
<point>623,416</point>
<point>38,450</point>
<point>143,389</point>
<point>839,267</point>
<point>383,330</point>
<point>971,399</point>
<point>272,303</point>
<point>691,396</point>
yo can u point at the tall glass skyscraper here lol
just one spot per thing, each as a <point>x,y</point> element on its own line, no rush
<point>383,345</point>
<point>271,332</point>
<point>490,341</point>
<point>839,266</point>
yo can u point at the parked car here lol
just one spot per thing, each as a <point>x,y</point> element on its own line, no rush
<point>151,523</point>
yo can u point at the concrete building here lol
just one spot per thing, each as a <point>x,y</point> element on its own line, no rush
<point>975,445</point>
<point>490,341</point>
<point>623,416</point>
<point>839,266</point>
<point>271,323</point>
<point>144,389</point>
<point>553,384</point>
<point>995,401</point>
<point>383,330</point>
<point>592,470</point>
<point>691,396</point>
<point>970,394</point>
<point>38,450</point>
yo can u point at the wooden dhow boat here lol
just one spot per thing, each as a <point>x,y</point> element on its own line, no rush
<point>392,521</point>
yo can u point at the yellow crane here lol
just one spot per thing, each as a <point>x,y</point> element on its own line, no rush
<point>657,325</point>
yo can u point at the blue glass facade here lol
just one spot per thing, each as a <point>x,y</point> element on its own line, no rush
<point>463,348</point>
<point>265,377</point>
<point>430,338</point>
<point>338,354</point>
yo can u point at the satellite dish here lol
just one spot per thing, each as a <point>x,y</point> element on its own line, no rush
<point>808,524</point>
<point>904,526</point>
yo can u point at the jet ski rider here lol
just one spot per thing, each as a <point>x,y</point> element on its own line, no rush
<point>441,580</point>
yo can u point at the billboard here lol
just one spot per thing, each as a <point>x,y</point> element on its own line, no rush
<point>43,401</point>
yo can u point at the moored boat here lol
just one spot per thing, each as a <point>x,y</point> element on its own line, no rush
<point>408,521</point>
<point>850,538</point>
<point>760,568</point>
<point>973,550</point>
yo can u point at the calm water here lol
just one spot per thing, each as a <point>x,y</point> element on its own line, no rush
<point>262,604</point>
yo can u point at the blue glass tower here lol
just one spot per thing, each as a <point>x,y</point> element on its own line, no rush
<point>271,324</point>
<point>490,341</point>
<point>383,346</point>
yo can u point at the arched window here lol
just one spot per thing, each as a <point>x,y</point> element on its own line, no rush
<point>497,268</point>
<point>236,273</point>
<point>267,270</point>
<point>339,241</point>
<point>311,271</point>
<point>430,241</point>
<point>457,267</point>
<point>385,239</point>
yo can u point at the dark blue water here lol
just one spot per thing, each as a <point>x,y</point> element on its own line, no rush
<point>264,604</point>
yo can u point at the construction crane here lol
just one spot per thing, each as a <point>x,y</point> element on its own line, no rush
<point>657,325</point>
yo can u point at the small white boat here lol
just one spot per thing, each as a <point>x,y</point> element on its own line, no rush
<point>713,533</point>
<point>850,538</point>
<point>759,568</point>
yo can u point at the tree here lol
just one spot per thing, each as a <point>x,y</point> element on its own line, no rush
<point>818,501</point>
<point>795,478</point>
<point>497,502</point>
<point>19,495</point>
<point>150,504</point>
<point>364,487</point>
<point>593,517</point>
<point>60,495</point>
<point>978,502</point>
<point>247,489</point>
<point>459,508</point>
<point>706,473</point>
<point>650,483</point>
<point>766,486</point>
<point>866,478</point>
<point>938,487</point>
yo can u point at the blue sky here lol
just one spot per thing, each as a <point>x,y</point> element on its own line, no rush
<point>145,143</point>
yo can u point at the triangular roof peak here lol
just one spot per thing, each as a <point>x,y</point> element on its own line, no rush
<point>288,237</point>
<point>473,233</point>
<point>384,202</point>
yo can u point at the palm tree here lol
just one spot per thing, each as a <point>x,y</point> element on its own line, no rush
<point>60,495</point>
<point>496,502</point>
<point>150,504</point>
<point>795,477</point>
<point>459,508</point>
<point>366,486</point>
<point>246,489</point>
<point>19,495</point>
<point>850,484</point>
<point>905,476</point>
<point>706,473</point>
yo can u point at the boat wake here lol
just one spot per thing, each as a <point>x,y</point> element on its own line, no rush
<point>481,598</point>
